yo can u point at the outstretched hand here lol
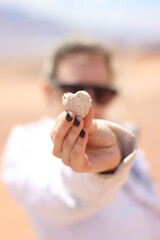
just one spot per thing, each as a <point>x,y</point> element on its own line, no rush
<point>85,145</point>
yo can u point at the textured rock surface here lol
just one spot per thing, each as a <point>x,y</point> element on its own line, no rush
<point>79,103</point>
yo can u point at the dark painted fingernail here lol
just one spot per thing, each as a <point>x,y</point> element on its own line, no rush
<point>82,134</point>
<point>68,117</point>
<point>76,122</point>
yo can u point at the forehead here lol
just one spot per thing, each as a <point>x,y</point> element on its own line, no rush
<point>83,66</point>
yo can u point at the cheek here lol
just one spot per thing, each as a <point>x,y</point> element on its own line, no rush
<point>56,108</point>
<point>56,103</point>
<point>99,111</point>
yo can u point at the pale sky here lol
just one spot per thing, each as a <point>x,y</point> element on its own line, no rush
<point>142,15</point>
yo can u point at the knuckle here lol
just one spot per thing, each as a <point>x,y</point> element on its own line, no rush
<point>74,131</point>
<point>57,134</point>
<point>65,160</point>
<point>81,143</point>
<point>75,152</point>
<point>67,143</point>
<point>54,152</point>
<point>76,169</point>
<point>52,134</point>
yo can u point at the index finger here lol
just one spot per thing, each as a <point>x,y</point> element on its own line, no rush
<point>89,121</point>
<point>62,125</point>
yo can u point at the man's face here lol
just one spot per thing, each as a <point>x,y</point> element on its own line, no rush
<point>85,69</point>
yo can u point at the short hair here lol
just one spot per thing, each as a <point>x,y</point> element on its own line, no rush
<point>75,46</point>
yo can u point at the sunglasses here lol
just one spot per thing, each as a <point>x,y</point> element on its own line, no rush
<point>102,95</point>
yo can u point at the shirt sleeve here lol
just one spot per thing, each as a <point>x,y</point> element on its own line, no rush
<point>53,192</point>
<point>141,186</point>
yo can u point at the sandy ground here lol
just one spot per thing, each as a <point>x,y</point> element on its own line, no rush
<point>138,77</point>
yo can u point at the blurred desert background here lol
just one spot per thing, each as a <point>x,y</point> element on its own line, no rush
<point>24,46</point>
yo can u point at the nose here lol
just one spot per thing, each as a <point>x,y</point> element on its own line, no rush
<point>98,110</point>
<point>91,93</point>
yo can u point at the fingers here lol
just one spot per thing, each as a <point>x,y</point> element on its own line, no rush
<point>61,129</point>
<point>71,138</point>
<point>78,158</point>
<point>85,145</point>
<point>88,120</point>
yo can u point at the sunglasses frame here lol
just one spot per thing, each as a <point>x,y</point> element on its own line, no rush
<point>95,88</point>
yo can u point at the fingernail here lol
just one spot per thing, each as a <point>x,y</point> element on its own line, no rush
<point>76,122</point>
<point>68,117</point>
<point>82,134</point>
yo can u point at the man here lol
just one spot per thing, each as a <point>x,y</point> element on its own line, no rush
<point>77,192</point>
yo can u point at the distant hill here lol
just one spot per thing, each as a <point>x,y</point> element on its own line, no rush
<point>15,22</point>
<point>22,34</point>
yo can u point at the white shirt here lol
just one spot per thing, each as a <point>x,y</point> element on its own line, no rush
<point>64,205</point>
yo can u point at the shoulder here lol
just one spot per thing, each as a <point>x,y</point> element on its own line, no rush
<point>43,124</point>
<point>28,128</point>
<point>30,133</point>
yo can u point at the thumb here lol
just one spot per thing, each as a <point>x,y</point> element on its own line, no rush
<point>89,121</point>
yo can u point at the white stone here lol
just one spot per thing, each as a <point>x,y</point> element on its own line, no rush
<point>78,103</point>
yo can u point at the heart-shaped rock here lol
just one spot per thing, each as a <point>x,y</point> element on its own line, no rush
<point>79,103</point>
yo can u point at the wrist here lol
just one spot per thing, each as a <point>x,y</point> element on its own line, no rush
<point>109,171</point>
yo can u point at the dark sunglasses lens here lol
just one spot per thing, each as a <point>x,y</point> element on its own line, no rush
<point>104,96</point>
<point>72,89</point>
